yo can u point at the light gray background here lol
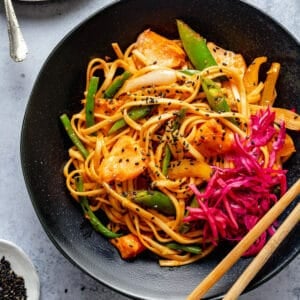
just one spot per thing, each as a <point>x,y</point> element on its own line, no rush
<point>43,26</point>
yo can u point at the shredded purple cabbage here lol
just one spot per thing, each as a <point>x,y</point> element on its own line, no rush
<point>236,198</point>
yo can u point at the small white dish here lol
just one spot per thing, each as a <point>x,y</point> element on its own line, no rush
<point>21,264</point>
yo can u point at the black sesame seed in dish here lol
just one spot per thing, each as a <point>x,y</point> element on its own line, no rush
<point>12,286</point>
<point>18,277</point>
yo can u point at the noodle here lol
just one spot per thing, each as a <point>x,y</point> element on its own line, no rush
<point>149,136</point>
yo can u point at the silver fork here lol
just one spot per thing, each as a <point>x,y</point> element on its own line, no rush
<point>17,45</point>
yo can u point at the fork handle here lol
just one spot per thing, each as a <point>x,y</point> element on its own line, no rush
<point>17,45</point>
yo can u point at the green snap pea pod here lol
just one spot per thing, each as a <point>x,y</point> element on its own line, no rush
<point>189,71</point>
<point>215,97</point>
<point>195,249</point>
<point>116,85</point>
<point>167,153</point>
<point>185,227</point>
<point>195,47</point>
<point>166,160</point>
<point>89,214</point>
<point>90,101</point>
<point>179,118</point>
<point>73,136</point>
<point>135,113</point>
<point>154,199</point>
<point>194,202</point>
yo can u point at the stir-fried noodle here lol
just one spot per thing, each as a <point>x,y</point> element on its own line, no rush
<point>156,138</point>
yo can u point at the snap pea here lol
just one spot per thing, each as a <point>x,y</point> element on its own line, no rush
<point>215,97</point>
<point>89,214</point>
<point>116,85</point>
<point>195,249</point>
<point>135,113</point>
<point>190,71</point>
<point>154,199</point>
<point>73,136</point>
<point>195,47</point>
<point>166,160</point>
<point>90,101</point>
<point>167,152</point>
<point>185,227</point>
<point>194,202</point>
<point>179,118</point>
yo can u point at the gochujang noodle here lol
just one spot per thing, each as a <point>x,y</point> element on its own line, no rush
<point>178,146</point>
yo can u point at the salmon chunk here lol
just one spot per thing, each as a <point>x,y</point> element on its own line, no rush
<point>228,58</point>
<point>124,162</point>
<point>157,49</point>
<point>129,245</point>
<point>212,139</point>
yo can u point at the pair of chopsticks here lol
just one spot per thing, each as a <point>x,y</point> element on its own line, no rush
<point>257,263</point>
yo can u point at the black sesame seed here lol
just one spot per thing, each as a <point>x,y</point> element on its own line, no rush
<point>12,286</point>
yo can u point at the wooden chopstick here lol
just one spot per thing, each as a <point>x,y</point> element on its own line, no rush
<point>234,255</point>
<point>262,257</point>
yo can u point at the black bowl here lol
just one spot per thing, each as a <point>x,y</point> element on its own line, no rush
<point>59,88</point>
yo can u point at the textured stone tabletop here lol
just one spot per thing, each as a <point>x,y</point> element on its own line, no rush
<point>44,24</point>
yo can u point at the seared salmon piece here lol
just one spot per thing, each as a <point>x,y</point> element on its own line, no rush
<point>228,58</point>
<point>124,162</point>
<point>212,139</point>
<point>157,49</point>
<point>129,246</point>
